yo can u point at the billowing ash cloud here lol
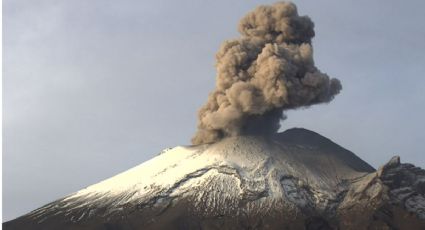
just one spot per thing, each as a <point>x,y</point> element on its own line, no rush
<point>266,71</point>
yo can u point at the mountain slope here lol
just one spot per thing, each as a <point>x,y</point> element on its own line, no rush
<point>295,180</point>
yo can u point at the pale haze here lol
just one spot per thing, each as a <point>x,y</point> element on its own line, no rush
<point>92,88</point>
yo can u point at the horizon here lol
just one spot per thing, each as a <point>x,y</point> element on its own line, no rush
<point>85,84</point>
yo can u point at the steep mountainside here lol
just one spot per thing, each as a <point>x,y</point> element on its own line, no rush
<point>295,180</point>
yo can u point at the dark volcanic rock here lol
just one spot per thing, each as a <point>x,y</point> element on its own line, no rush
<point>391,198</point>
<point>296,180</point>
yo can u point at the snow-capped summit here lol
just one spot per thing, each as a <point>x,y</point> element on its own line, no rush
<point>294,180</point>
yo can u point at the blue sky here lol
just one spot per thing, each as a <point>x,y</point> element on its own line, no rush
<point>92,88</point>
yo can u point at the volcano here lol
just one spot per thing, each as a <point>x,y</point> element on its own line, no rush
<point>297,179</point>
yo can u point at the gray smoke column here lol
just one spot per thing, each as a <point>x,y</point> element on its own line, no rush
<point>266,71</point>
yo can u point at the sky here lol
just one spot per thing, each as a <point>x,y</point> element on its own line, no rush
<point>93,88</point>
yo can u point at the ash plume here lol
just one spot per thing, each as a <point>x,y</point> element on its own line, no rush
<point>266,71</point>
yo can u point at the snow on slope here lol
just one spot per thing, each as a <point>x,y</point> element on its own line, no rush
<point>247,173</point>
<point>294,180</point>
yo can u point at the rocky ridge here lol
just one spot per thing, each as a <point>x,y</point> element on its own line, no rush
<point>295,180</point>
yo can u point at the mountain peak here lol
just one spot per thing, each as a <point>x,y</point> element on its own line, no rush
<point>305,137</point>
<point>297,179</point>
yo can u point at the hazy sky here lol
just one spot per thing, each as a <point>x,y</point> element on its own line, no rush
<point>92,88</point>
